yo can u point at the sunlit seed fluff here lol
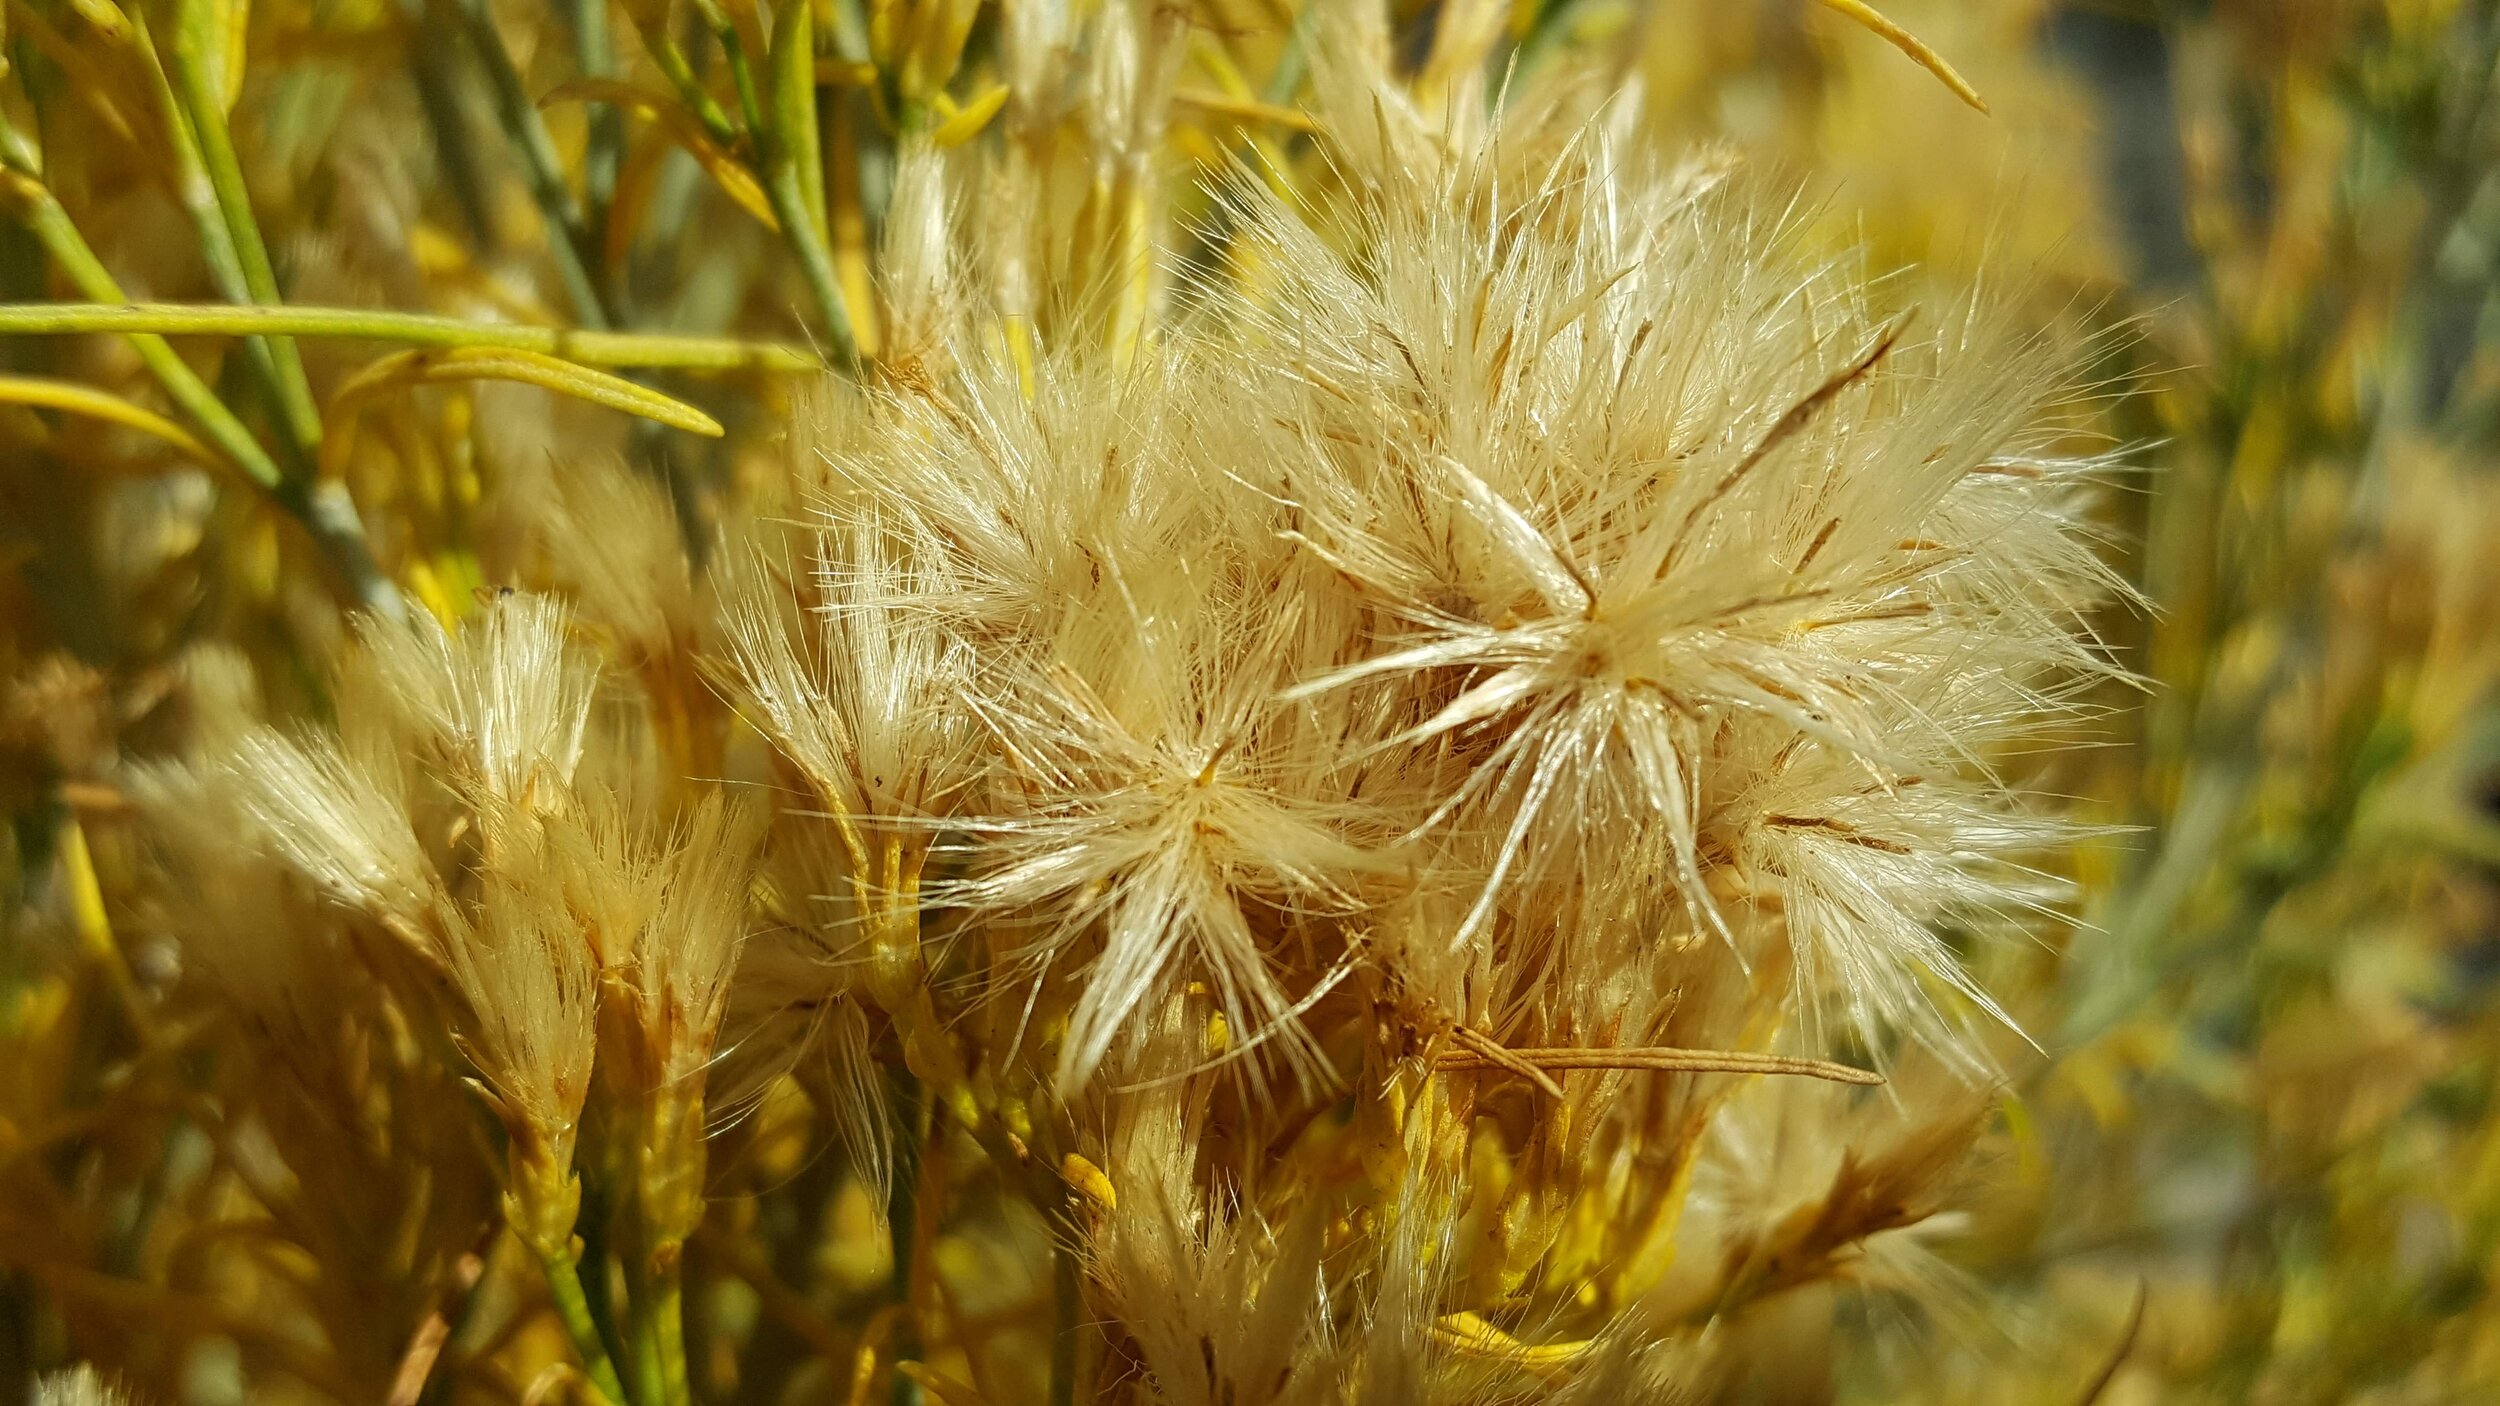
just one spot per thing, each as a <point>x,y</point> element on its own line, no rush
<point>687,951</point>
<point>503,703</point>
<point>666,908</point>
<point>342,821</point>
<point>532,982</point>
<point>1163,801</point>
<point>849,673</point>
<point>81,1385</point>
<point>919,264</point>
<point>1664,533</point>
<point>608,537</point>
<point>492,717</point>
<point>1541,526</point>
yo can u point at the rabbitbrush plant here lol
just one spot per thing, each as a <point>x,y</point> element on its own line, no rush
<point>1330,719</point>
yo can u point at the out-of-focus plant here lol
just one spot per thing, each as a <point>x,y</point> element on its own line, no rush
<point>2293,992</point>
<point>2257,1162</point>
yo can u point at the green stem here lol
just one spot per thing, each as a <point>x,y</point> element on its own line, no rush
<point>815,259</point>
<point>795,170</point>
<point>196,187</point>
<point>674,66</point>
<point>668,1206</point>
<point>328,515</point>
<point>196,81</point>
<point>651,1298</point>
<point>902,1223</point>
<point>593,1226</point>
<point>669,1315</point>
<point>52,227</point>
<point>793,135</point>
<point>733,50</point>
<point>605,155</point>
<point>564,1286</point>
<point>1067,1293</point>
<point>541,166</point>
<point>588,348</point>
<point>787,178</point>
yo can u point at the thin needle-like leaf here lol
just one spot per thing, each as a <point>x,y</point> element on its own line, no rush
<point>1911,45</point>
<point>418,368</point>
<point>794,168</point>
<point>683,127</point>
<point>46,393</point>
<point>205,72</point>
<point>958,125</point>
<point>576,345</point>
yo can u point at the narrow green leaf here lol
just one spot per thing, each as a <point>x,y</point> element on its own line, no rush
<point>588,348</point>
<point>794,136</point>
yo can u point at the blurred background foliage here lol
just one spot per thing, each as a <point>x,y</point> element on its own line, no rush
<point>2265,1090</point>
<point>2255,1154</point>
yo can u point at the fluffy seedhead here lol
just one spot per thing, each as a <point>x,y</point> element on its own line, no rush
<point>473,736</point>
<point>81,1385</point>
<point>1529,630</point>
<point>1674,556</point>
<point>1576,546</point>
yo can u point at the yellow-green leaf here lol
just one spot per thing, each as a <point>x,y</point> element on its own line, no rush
<point>958,125</point>
<point>1911,45</point>
<point>432,367</point>
<point>793,108</point>
<point>46,393</point>
<point>684,128</point>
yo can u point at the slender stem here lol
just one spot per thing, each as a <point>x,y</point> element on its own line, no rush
<point>794,134</point>
<point>668,1311</point>
<point>541,166</point>
<point>51,225</point>
<point>195,82</point>
<point>1067,1293</point>
<point>643,1344</point>
<point>787,134</point>
<point>733,51</point>
<point>673,65</point>
<point>815,260</point>
<point>656,1325</point>
<point>667,1208</point>
<point>594,1225</point>
<point>329,517</point>
<point>197,189</point>
<point>564,1286</point>
<point>589,348</point>
<point>596,54</point>
<point>902,1219</point>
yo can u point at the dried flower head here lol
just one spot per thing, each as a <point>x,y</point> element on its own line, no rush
<point>81,1385</point>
